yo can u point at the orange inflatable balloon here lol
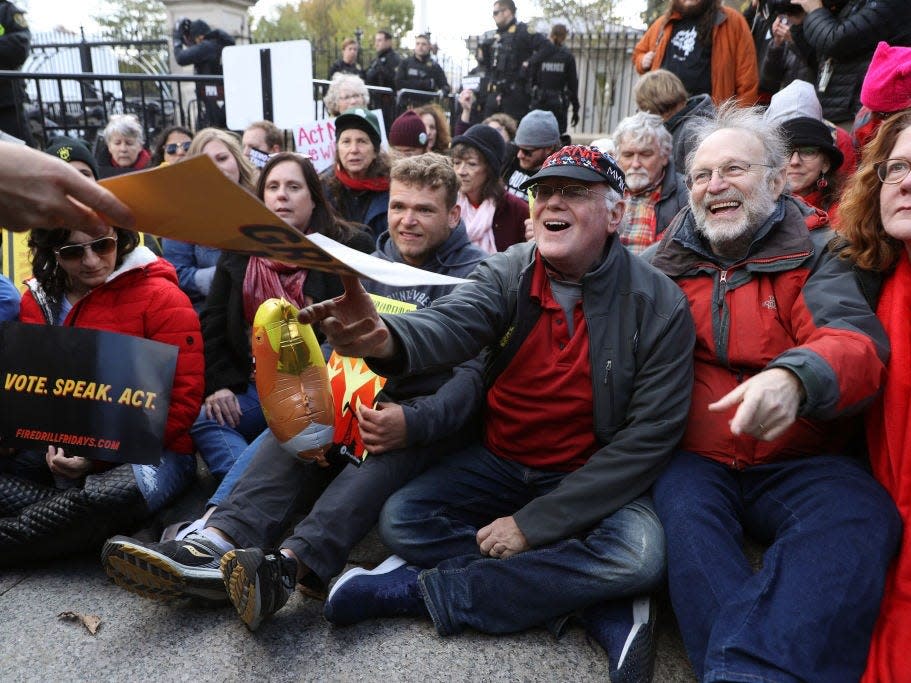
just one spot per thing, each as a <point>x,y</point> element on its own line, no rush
<point>292,381</point>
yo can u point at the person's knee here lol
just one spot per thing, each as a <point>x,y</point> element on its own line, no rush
<point>395,523</point>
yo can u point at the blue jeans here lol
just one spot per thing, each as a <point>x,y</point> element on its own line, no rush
<point>162,483</point>
<point>433,521</point>
<point>808,613</point>
<point>237,470</point>
<point>221,445</point>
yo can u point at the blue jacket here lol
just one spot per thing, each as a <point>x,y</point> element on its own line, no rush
<point>9,300</point>
<point>195,266</point>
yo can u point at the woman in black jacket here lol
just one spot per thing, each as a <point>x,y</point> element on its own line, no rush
<point>232,416</point>
<point>839,37</point>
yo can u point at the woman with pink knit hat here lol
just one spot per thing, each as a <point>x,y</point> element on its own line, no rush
<point>886,90</point>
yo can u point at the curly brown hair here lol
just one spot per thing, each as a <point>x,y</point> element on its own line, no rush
<point>862,235</point>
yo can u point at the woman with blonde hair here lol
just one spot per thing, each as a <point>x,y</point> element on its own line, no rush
<point>196,264</point>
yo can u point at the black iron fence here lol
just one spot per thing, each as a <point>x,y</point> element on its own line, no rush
<point>80,104</point>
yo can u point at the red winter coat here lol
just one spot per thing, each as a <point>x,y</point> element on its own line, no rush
<point>141,298</point>
<point>790,304</point>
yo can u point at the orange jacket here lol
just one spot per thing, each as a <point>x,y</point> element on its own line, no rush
<point>735,72</point>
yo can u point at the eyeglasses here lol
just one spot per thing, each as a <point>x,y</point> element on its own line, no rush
<point>349,97</point>
<point>171,148</point>
<point>570,193</point>
<point>892,171</point>
<point>498,12</point>
<point>735,169</point>
<point>527,151</point>
<point>75,252</point>
<point>806,153</point>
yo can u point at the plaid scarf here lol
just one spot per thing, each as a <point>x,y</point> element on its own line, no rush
<point>637,228</point>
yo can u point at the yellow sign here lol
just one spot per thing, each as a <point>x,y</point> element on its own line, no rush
<point>14,262</point>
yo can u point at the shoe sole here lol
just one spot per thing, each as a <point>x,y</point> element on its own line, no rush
<point>389,564</point>
<point>155,576</point>
<point>242,585</point>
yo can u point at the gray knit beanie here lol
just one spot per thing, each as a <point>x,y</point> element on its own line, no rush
<point>538,128</point>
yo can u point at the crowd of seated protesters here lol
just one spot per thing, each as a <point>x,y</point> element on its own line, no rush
<point>107,280</point>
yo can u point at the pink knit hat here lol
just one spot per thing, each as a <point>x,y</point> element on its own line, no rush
<point>887,85</point>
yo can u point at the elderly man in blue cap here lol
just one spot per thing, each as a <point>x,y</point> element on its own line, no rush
<point>589,373</point>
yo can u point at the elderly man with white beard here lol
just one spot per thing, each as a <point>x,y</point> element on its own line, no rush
<point>787,350</point>
<point>655,191</point>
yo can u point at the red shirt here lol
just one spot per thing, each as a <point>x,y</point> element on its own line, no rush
<point>539,410</point>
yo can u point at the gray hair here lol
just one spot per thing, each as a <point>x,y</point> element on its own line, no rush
<point>125,125</point>
<point>645,130</point>
<point>348,82</point>
<point>749,120</point>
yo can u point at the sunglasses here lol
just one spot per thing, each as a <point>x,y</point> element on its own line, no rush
<point>174,146</point>
<point>74,252</point>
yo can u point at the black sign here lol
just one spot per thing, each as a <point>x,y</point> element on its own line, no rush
<point>95,394</point>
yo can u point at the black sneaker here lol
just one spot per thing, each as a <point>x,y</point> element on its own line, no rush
<point>166,571</point>
<point>626,630</point>
<point>258,584</point>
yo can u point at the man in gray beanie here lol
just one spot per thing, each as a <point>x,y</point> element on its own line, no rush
<point>537,137</point>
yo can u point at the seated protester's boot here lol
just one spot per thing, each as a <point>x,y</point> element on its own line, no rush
<point>74,520</point>
<point>16,494</point>
<point>171,570</point>
<point>258,583</point>
<point>626,630</point>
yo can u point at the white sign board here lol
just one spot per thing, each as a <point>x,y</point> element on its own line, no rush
<point>271,81</point>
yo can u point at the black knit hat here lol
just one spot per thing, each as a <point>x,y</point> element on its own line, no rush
<point>70,149</point>
<point>809,132</point>
<point>487,141</point>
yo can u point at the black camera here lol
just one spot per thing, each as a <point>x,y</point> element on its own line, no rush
<point>783,7</point>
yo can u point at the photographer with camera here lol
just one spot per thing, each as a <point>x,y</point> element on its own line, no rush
<point>197,44</point>
<point>839,37</point>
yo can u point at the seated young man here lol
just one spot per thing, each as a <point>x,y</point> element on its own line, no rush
<point>423,418</point>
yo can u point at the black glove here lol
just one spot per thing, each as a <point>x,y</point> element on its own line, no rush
<point>574,121</point>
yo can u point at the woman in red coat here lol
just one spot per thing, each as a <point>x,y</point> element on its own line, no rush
<point>875,218</point>
<point>70,503</point>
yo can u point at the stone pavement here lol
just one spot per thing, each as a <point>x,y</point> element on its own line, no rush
<point>143,640</point>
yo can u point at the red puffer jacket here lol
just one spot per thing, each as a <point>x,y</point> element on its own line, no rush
<point>789,304</point>
<point>141,298</point>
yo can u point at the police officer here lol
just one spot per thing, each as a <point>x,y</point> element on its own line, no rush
<point>556,83</point>
<point>505,55</point>
<point>197,44</point>
<point>420,71</point>
<point>381,71</point>
<point>15,41</point>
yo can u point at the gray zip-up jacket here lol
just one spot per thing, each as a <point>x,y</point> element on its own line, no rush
<point>641,353</point>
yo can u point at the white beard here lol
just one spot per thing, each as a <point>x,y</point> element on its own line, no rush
<point>731,236</point>
<point>637,181</point>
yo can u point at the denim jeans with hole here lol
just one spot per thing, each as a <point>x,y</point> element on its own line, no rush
<point>808,613</point>
<point>221,445</point>
<point>432,522</point>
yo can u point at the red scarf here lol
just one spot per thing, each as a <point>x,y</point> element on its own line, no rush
<point>378,184</point>
<point>141,161</point>
<point>889,442</point>
<point>268,279</point>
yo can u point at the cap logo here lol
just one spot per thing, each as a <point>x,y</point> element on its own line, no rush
<point>592,159</point>
<point>65,153</point>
